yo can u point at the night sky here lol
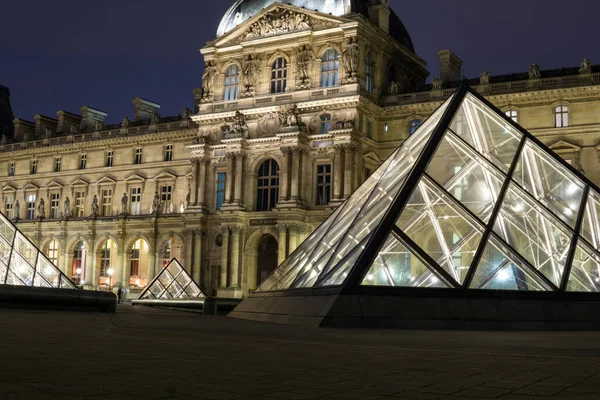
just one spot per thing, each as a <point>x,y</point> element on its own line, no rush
<point>63,54</point>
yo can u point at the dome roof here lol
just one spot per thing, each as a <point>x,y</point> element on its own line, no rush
<point>241,10</point>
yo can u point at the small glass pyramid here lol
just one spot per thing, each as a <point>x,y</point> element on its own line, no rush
<point>23,264</point>
<point>172,283</point>
<point>469,201</point>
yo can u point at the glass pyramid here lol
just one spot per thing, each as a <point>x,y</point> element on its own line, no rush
<point>470,201</point>
<point>23,264</point>
<point>172,283</point>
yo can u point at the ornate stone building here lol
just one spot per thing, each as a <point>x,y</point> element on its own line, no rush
<point>300,103</point>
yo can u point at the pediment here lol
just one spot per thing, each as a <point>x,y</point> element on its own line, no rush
<point>8,189</point>
<point>135,178</point>
<point>106,180</point>
<point>278,19</point>
<point>165,175</point>
<point>562,145</point>
<point>79,183</point>
<point>371,156</point>
<point>30,186</point>
<point>54,185</point>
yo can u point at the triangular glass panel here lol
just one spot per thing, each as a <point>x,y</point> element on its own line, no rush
<point>501,269</point>
<point>398,266</point>
<point>590,228</point>
<point>585,271</point>
<point>538,236</point>
<point>173,282</point>
<point>3,272</point>
<point>441,228</point>
<point>7,229</point>
<point>549,182</point>
<point>489,133</point>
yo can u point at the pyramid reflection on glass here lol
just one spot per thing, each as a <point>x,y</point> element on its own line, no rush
<point>172,283</point>
<point>470,201</point>
<point>23,264</point>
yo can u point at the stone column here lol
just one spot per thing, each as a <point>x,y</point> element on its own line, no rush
<point>194,183</point>
<point>224,256</point>
<point>124,272</point>
<point>229,178</point>
<point>293,239</point>
<point>234,271</point>
<point>154,267</point>
<point>296,154</point>
<point>151,261</point>
<point>197,254</point>
<point>201,182</point>
<point>282,243</point>
<point>95,274</point>
<point>88,277</point>
<point>284,175</point>
<point>348,170</point>
<point>239,171</point>
<point>338,172</point>
<point>188,243</point>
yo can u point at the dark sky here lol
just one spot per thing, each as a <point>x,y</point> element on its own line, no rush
<point>63,54</point>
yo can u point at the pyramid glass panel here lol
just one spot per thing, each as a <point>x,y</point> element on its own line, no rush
<point>397,266</point>
<point>7,230</point>
<point>549,182</point>
<point>26,249</point>
<point>538,236</point>
<point>438,225</point>
<point>173,282</point>
<point>501,269</point>
<point>585,272</point>
<point>487,132</point>
<point>590,228</point>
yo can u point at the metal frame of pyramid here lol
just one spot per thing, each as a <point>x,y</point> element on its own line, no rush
<point>23,264</point>
<point>470,202</point>
<point>172,283</point>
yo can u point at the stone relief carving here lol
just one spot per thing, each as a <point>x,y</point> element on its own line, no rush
<point>125,123</point>
<point>350,58</point>
<point>208,81</point>
<point>394,88</point>
<point>534,72</point>
<point>283,21</point>
<point>485,79</point>
<point>436,83</point>
<point>98,125</point>
<point>270,123</point>
<point>303,59</point>
<point>250,67</point>
<point>239,125</point>
<point>586,67</point>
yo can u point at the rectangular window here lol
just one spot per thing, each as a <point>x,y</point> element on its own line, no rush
<point>415,124</point>
<point>138,156</point>
<point>31,206</point>
<point>166,195</point>
<point>11,169</point>
<point>323,184</point>
<point>9,207</point>
<point>513,114</point>
<point>325,123</point>
<point>34,164</point>
<point>221,182</point>
<point>79,203</point>
<point>169,152</point>
<point>57,164</point>
<point>54,205</point>
<point>82,161</point>
<point>561,114</point>
<point>135,207</point>
<point>104,262</point>
<point>107,202</point>
<point>135,263</point>
<point>110,155</point>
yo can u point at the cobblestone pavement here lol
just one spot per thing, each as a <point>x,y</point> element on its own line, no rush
<point>160,354</point>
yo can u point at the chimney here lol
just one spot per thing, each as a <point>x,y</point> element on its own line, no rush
<point>89,116</point>
<point>144,109</point>
<point>450,66</point>
<point>379,14</point>
<point>66,120</point>
<point>42,123</point>
<point>23,129</point>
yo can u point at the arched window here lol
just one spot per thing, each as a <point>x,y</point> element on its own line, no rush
<point>325,123</point>
<point>168,254</point>
<point>561,115</point>
<point>414,125</point>
<point>268,186</point>
<point>232,82</point>
<point>330,66</point>
<point>106,261</point>
<point>369,73</point>
<point>279,75</point>
<point>79,256</point>
<point>513,114</point>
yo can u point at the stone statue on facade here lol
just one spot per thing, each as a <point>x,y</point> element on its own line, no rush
<point>26,136</point>
<point>125,123</point>
<point>303,59</point>
<point>47,133</point>
<point>394,87</point>
<point>95,207</point>
<point>155,118</point>
<point>73,129</point>
<point>534,72</point>
<point>67,208</point>
<point>42,209</point>
<point>3,141</point>
<point>485,79</point>
<point>17,211</point>
<point>185,115</point>
<point>250,67</point>
<point>156,204</point>
<point>239,124</point>
<point>292,117</point>
<point>350,58</point>
<point>98,125</point>
<point>124,202</point>
<point>586,67</point>
<point>208,80</point>
<point>436,83</point>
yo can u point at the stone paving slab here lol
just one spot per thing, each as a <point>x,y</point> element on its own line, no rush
<point>144,353</point>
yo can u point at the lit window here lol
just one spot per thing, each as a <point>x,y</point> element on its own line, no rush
<point>9,207</point>
<point>330,66</point>
<point>135,207</point>
<point>31,206</point>
<point>83,161</point>
<point>79,203</point>
<point>325,123</point>
<point>268,185</point>
<point>386,127</point>
<point>34,165</point>
<point>168,255</point>
<point>369,73</point>
<point>138,156</point>
<point>105,259</point>
<point>11,169</point>
<point>279,75</point>
<point>221,182</point>
<point>135,259</point>
<point>513,114</point>
<point>561,114</point>
<point>54,205</point>
<point>110,156</point>
<point>169,152</point>
<point>166,197</point>
<point>323,184</point>
<point>414,125</point>
<point>79,256</point>
<point>107,202</point>
<point>232,83</point>
<point>52,252</point>
<point>57,163</point>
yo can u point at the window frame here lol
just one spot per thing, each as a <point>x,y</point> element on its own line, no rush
<point>414,125</point>
<point>12,168</point>
<point>30,200</point>
<point>325,123</point>
<point>220,190</point>
<point>369,73</point>
<point>83,161</point>
<point>267,188</point>
<point>279,75</point>
<point>323,186</point>
<point>512,114</point>
<point>54,205</point>
<point>9,211</point>
<point>57,163</point>
<point>330,68</point>
<point>34,166</point>
<point>135,207</point>
<point>168,153</point>
<point>79,210</point>
<point>138,155</point>
<point>231,83</point>
<point>109,158</point>
<point>561,116</point>
<point>106,201</point>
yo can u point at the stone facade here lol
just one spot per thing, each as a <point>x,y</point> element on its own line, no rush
<point>297,108</point>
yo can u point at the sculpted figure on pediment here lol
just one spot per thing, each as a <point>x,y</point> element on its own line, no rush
<point>250,67</point>
<point>277,22</point>
<point>303,59</point>
<point>350,57</point>
<point>208,80</point>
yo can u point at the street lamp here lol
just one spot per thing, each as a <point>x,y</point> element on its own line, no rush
<point>78,272</point>
<point>110,273</point>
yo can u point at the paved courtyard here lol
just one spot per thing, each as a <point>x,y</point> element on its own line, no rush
<point>161,354</point>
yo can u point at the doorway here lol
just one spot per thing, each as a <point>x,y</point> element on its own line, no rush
<point>267,257</point>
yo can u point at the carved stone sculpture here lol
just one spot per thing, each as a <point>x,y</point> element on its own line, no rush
<point>485,79</point>
<point>586,67</point>
<point>95,207</point>
<point>73,129</point>
<point>436,83</point>
<point>534,72</point>
<point>155,118</point>
<point>47,133</point>
<point>156,204</point>
<point>350,58</point>
<point>208,80</point>
<point>67,208</point>
<point>270,123</point>
<point>125,123</point>
<point>239,124</point>
<point>185,115</point>
<point>303,59</point>
<point>124,202</point>
<point>394,87</point>
<point>42,209</point>
<point>17,210</point>
<point>98,125</point>
<point>250,67</point>
<point>277,22</point>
